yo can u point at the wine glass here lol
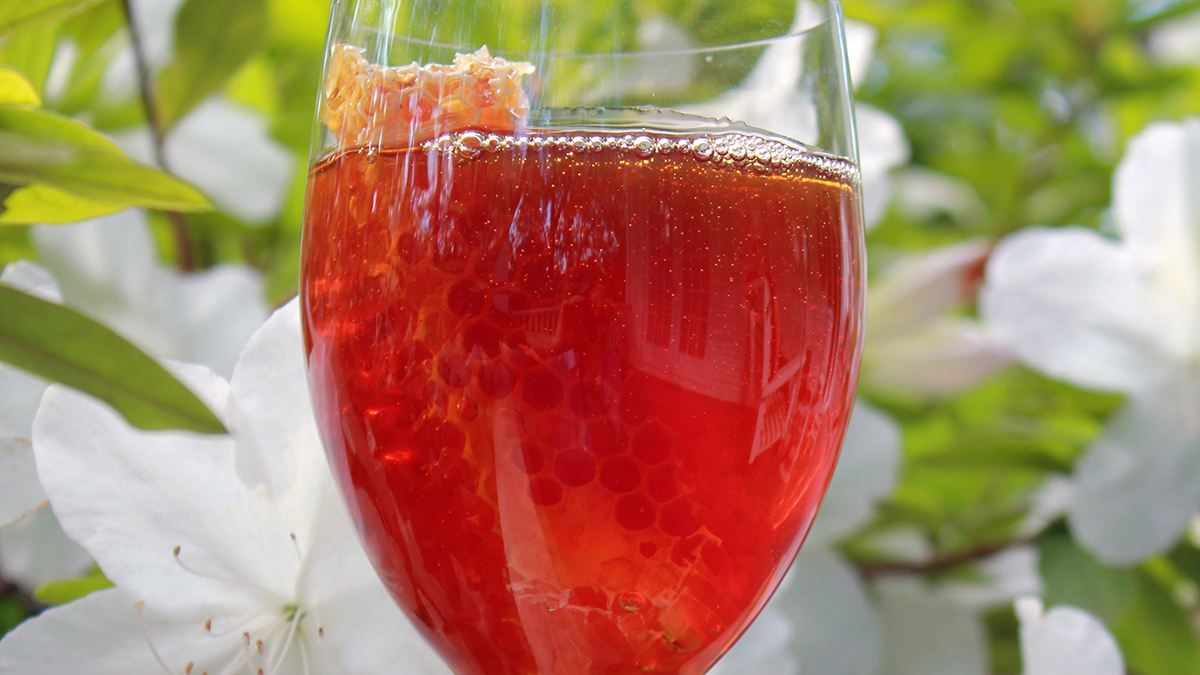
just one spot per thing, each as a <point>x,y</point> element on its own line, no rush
<point>582,289</point>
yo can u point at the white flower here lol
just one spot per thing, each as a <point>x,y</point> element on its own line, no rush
<point>1177,42</point>
<point>238,548</point>
<point>1065,641</point>
<point>914,345</point>
<point>822,604</point>
<point>226,151</point>
<point>1121,315</point>
<point>108,269</point>
<point>929,633</point>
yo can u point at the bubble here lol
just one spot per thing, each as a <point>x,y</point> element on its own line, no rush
<point>631,601</point>
<point>596,144</point>
<point>702,148</point>
<point>643,146</point>
<point>665,146</point>
<point>579,144</point>
<point>737,149</point>
<point>469,144</point>
<point>683,146</point>
<point>467,409</point>
<point>492,143</point>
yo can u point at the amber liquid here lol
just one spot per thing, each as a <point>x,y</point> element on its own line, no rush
<point>583,392</point>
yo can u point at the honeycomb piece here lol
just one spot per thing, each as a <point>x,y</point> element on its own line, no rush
<point>369,104</point>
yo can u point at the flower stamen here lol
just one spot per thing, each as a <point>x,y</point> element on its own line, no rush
<point>139,608</point>
<point>197,573</point>
<point>276,662</point>
<point>233,629</point>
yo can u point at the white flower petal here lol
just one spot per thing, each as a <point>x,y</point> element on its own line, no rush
<point>271,414</point>
<point>917,288</point>
<point>132,497</point>
<point>1069,303</point>
<point>1139,484</point>
<point>764,648</point>
<point>1177,42</point>
<point>364,633</point>
<point>925,633</point>
<point>225,150</point>
<point>881,148</point>
<point>1065,641</point>
<point>107,268</point>
<point>866,472</point>
<point>1001,578</point>
<point>100,633</point>
<point>1049,502</point>
<point>32,279</point>
<point>944,358</point>
<point>20,492</point>
<point>923,194</point>
<point>1157,210</point>
<point>860,47</point>
<point>35,551</point>
<point>835,629</point>
<point>217,311</point>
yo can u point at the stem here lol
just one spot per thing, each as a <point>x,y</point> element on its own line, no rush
<point>943,563</point>
<point>183,242</point>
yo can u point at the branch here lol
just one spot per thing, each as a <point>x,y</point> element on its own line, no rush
<point>938,564</point>
<point>183,241</point>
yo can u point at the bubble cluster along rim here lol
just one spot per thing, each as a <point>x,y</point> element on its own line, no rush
<point>734,149</point>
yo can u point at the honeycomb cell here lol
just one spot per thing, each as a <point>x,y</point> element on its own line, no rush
<point>558,432</point>
<point>587,402</point>
<point>676,518</point>
<point>496,380</point>
<point>542,390</point>
<point>546,492</point>
<point>652,443</point>
<point>466,299</point>
<point>482,336</point>
<point>452,370</point>
<point>634,512</point>
<point>660,484</point>
<point>575,468</point>
<point>589,596</point>
<point>635,400</point>
<point>467,409</point>
<point>600,438</point>
<point>528,458</point>
<point>509,309</point>
<point>620,474</point>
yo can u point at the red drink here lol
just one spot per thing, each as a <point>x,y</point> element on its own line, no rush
<point>583,391</point>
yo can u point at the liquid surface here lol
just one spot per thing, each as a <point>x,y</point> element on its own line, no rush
<point>583,391</point>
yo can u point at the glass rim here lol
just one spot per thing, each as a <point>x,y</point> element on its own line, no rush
<point>833,9</point>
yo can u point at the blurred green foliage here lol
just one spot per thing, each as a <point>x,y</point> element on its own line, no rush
<point>1028,102</point>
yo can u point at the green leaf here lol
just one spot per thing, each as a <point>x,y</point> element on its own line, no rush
<point>68,590</point>
<point>61,345</point>
<point>16,90</point>
<point>30,52</point>
<point>1156,634</point>
<point>45,205</point>
<point>1072,576</point>
<point>21,15</point>
<point>42,147</point>
<point>213,38</point>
